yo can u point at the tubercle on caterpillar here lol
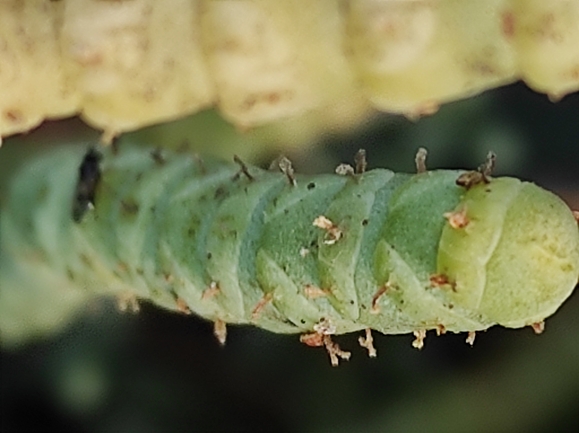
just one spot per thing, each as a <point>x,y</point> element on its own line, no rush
<point>363,250</point>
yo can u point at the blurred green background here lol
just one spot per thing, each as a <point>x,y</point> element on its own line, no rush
<point>161,372</point>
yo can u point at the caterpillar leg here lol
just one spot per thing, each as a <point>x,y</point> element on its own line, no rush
<point>220,331</point>
<point>322,337</point>
<point>420,336</point>
<point>360,160</point>
<point>420,160</point>
<point>284,165</point>
<point>367,342</point>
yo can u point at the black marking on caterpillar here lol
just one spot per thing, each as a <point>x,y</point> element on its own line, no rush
<point>157,156</point>
<point>89,175</point>
<point>318,256</point>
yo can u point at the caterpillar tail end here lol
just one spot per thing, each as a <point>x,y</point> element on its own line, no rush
<point>517,259</point>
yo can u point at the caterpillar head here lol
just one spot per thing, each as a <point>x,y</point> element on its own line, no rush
<point>512,251</point>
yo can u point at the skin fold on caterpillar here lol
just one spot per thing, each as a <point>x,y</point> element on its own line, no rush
<point>443,250</point>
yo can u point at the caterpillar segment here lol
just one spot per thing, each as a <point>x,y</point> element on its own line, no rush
<point>317,256</point>
<point>122,65</point>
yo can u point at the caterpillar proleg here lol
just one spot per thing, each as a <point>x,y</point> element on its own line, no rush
<point>442,250</point>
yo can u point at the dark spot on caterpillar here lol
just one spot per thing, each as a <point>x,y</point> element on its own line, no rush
<point>220,193</point>
<point>365,222</point>
<point>14,116</point>
<point>200,164</point>
<point>115,145</point>
<point>85,259</point>
<point>70,274</point>
<point>209,256</point>
<point>311,185</point>
<point>129,207</point>
<point>286,211</point>
<point>185,148</point>
<point>89,175</point>
<point>351,302</point>
<point>157,156</point>
<point>302,321</point>
<point>42,193</point>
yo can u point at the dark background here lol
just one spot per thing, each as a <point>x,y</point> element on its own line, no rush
<point>161,372</point>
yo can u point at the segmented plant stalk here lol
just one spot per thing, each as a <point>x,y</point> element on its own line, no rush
<point>130,63</point>
<point>317,255</point>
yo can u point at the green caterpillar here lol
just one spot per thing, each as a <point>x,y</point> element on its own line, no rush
<point>315,255</point>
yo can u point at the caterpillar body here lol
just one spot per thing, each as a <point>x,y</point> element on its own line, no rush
<point>126,64</point>
<point>314,255</point>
